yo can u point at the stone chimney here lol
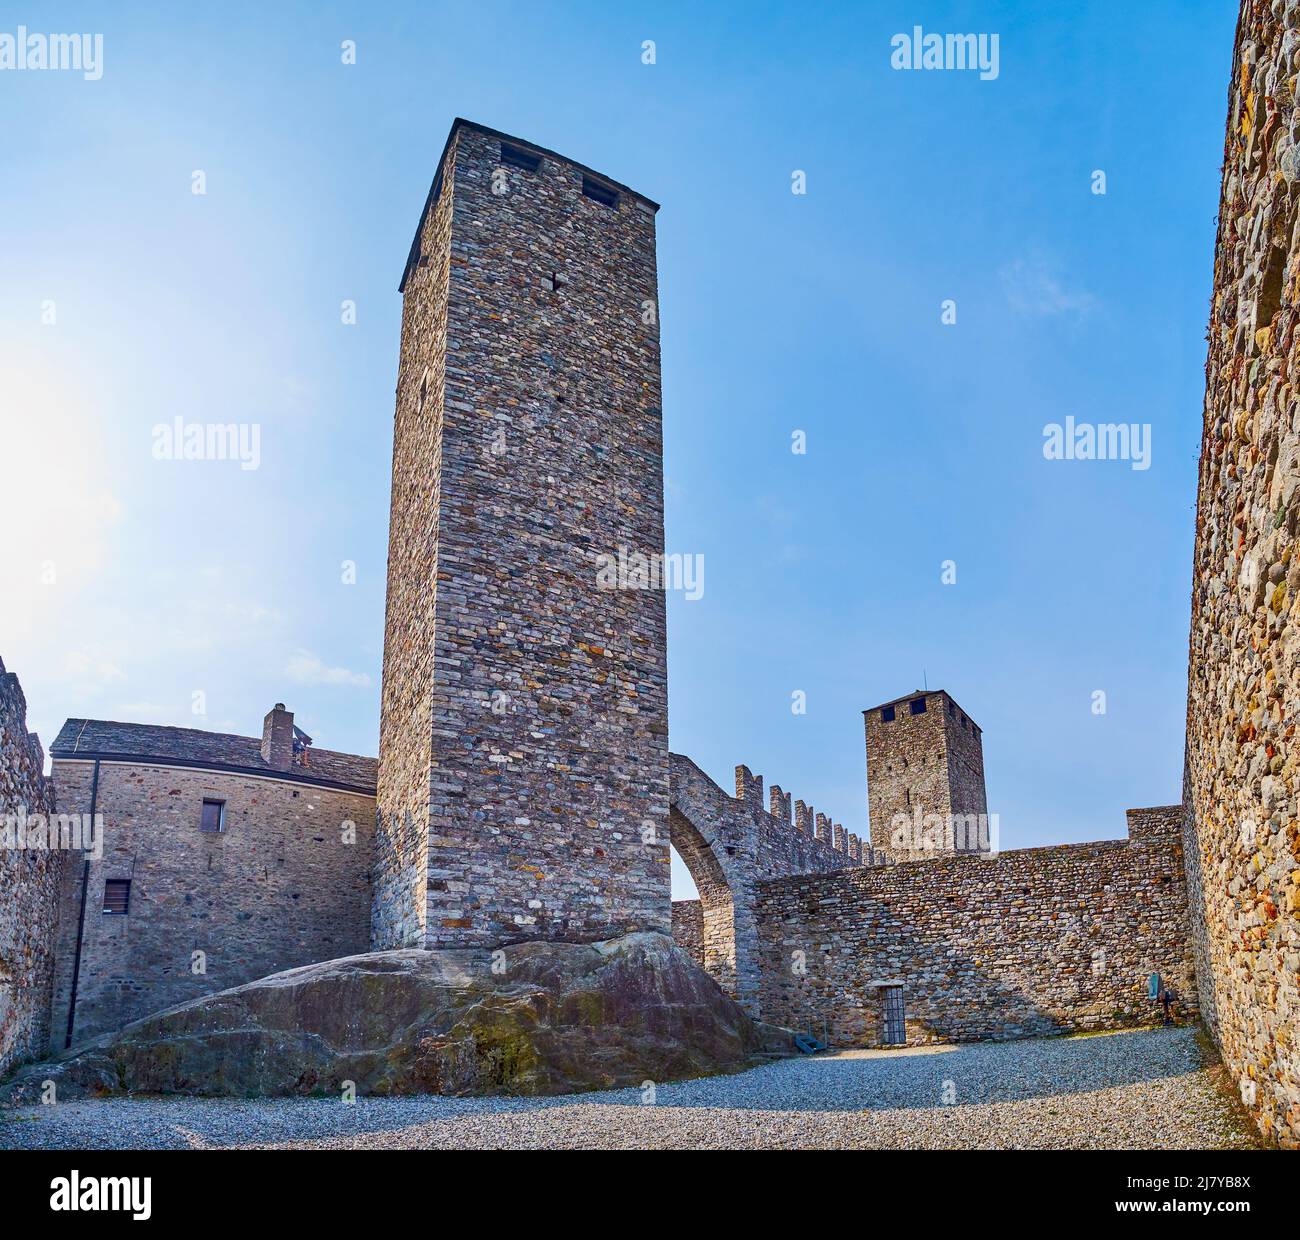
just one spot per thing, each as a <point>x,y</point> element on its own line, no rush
<point>277,738</point>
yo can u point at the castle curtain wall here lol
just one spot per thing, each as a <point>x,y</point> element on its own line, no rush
<point>1027,943</point>
<point>1243,766</point>
<point>29,884</point>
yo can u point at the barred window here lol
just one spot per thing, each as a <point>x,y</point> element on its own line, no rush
<point>117,896</point>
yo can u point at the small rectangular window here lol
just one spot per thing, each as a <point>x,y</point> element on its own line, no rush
<point>213,817</point>
<point>517,157</point>
<point>603,194</point>
<point>117,896</point>
<point>963,723</point>
<point>952,710</point>
<point>917,706</point>
<point>887,714</point>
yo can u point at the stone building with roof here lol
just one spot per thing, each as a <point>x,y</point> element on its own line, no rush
<point>225,858</point>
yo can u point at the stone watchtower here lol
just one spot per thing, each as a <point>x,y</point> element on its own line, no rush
<point>925,763</point>
<point>523,753</point>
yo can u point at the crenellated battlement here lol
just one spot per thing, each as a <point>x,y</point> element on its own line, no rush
<point>805,828</point>
<point>729,844</point>
<point>803,818</point>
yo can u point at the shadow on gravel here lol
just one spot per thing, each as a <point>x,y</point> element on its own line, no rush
<point>963,1075</point>
<point>966,1074</point>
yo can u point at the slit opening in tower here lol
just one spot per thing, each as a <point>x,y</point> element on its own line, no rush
<point>606,195</point>
<point>517,157</point>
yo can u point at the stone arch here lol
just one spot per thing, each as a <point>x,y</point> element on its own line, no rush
<point>716,903</point>
<point>719,847</point>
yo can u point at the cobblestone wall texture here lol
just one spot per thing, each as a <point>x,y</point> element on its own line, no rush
<point>29,883</point>
<point>1026,943</point>
<point>284,884</point>
<point>524,733</point>
<point>1243,756</point>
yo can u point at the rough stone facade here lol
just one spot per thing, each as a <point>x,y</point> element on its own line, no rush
<point>523,787</point>
<point>29,885</point>
<point>285,881</point>
<point>1243,757</point>
<point>1027,943</point>
<point>688,928</point>
<point>925,769</point>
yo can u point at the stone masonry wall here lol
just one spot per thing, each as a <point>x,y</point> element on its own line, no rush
<point>1026,943</point>
<point>688,929</point>
<point>965,761</point>
<point>29,882</point>
<point>524,726</point>
<point>286,883</point>
<point>907,767</point>
<point>406,721</point>
<point>919,765</point>
<point>1243,755</point>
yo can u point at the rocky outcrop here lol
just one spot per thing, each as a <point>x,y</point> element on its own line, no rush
<point>536,1018</point>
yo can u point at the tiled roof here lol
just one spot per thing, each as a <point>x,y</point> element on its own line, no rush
<point>102,738</point>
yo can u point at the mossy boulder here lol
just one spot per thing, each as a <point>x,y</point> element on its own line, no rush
<point>543,1018</point>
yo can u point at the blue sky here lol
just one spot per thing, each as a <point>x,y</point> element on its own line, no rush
<point>780,312</point>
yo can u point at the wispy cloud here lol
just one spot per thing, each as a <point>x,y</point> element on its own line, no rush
<point>308,669</point>
<point>1034,287</point>
<point>89,672</point>
<point>152,712</point>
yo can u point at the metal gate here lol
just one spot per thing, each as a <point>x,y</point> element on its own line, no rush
<point>893,1018</point>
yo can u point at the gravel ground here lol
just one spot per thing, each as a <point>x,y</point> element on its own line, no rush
<point>1137,1090</point>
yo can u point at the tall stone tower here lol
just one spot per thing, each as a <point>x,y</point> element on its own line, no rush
<point>925,761</point>
<point>523,754</point>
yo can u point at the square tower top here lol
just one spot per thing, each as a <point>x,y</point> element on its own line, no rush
<point>519,153</point>
<point>925,758</point>
<point>888,711</point>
